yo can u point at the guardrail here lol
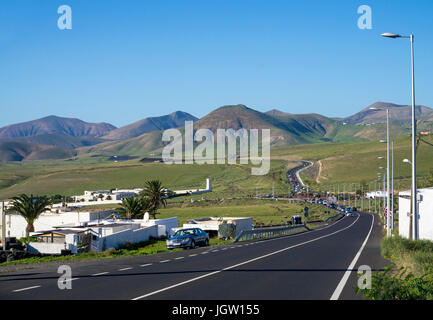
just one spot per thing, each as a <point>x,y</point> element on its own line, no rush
<point>335,217</point>
<point>264,233</point>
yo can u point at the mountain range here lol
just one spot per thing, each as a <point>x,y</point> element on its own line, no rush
<point>55,137</point>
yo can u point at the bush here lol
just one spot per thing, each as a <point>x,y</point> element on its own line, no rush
<point>412,279</point>
<point>401,285</point>
<point>417,254</point>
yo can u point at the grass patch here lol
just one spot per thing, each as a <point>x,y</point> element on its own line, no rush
<point>410,277</point>
<point>414,255</point>
<point>263,212</point>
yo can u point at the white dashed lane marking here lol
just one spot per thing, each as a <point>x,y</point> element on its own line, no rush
<point>124,269</point>
<point>28,288</point>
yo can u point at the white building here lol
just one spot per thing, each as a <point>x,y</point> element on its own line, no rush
<point>115,196</point>
<point>16,224</point>
<point>425,212</point>
<point>195,191</point>
<point>99,236</point>
<point>376,194</point>
<point>213,225</point>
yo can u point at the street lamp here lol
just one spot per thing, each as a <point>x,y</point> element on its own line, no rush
<point>388,217</point>
<point>414,193</point>
<point>411,201</point>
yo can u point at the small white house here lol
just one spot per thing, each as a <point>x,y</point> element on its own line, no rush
<point>100,235</point>
<point>376,194</point>
<point>425,212</point>
<point>16,224</point>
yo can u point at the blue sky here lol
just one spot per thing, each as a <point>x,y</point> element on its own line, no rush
<point>126,60</point>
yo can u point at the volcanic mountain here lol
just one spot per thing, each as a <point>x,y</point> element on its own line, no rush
<point>173,120</point>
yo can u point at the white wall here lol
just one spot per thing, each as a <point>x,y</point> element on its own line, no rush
<point>116,239</point>
<point>243,224</point>
<point>16,224</point>
<point>47,248</point>
<point>425,211</point>
<point>167,225</point>
<point>88,203</point>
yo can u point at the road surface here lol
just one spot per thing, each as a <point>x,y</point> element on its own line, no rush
<point>311,265</point>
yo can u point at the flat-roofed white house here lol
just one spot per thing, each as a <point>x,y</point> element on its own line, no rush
<point>425,212</point>
<point>99,236</point>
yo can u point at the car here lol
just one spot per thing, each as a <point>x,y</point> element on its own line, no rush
<point>188,238</point>
<point>349,212</point>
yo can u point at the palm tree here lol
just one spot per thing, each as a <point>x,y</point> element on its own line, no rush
<point>133,207</point>
<point>156,194</point>
<point>30,208</point>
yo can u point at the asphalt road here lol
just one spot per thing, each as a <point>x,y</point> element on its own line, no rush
<point>310,265</point>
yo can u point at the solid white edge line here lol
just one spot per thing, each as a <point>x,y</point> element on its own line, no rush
<point>71,279</point>
<point>349,269</point>
<point>242,263</point>
<point>28,288</point>
<point>99,274</point>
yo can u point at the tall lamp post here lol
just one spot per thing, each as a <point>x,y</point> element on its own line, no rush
<point>388,217</point>
<point>411,216</point>
<point>414,193</point>
<point>392,185</point>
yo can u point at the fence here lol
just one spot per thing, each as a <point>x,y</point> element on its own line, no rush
<point>265,233</point>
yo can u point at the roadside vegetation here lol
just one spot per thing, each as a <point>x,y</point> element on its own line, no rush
<point>410,277</point>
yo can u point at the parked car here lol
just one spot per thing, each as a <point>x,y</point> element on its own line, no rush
<point>188,238</point>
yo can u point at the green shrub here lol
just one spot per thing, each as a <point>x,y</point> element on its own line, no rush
<point>401,285</point>
<point>411,275</point>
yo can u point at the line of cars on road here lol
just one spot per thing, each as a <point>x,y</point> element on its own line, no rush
<point>349,212</point>
<point>292,179</point>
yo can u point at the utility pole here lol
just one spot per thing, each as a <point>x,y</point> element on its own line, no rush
<point>344,194</point>
<point>338,193</point>
<point>369,198</point>
<point>375,196</point>
<point>388,206</point>
<point>355,193</point>
<point>383,200</point>
<point>392,187</point>
<point>348,192</point>
<point>3,225</point>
